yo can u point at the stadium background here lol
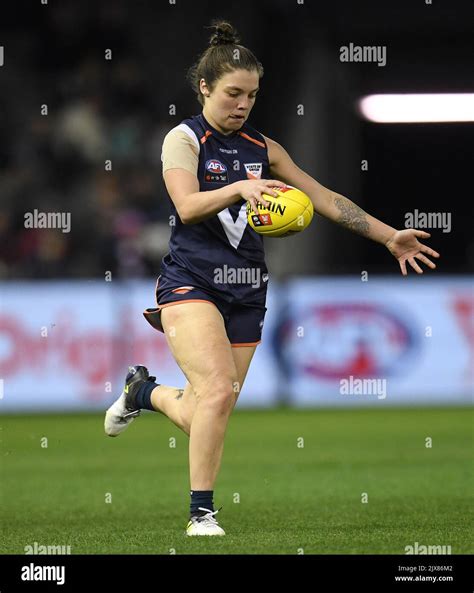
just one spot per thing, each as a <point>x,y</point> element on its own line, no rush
<point>71,303</point>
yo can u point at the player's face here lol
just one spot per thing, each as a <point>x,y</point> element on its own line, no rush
<point>230,102</point>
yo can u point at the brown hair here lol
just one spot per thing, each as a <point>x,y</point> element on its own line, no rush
<point>223,55</point>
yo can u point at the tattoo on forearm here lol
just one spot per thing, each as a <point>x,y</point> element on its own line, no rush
<point>180,394</point>
<point>352,216</point>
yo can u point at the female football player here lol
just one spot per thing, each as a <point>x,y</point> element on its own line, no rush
<point>213,165</point>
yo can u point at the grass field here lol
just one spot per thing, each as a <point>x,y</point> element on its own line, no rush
<point>292,498</point>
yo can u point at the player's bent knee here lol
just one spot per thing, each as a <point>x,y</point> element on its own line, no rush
<point>220,396</point>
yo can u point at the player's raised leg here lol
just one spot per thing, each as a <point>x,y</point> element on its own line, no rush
<point>198,341</point>
<point>177,404</point>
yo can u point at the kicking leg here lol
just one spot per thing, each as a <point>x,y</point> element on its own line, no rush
<point>198,341</point>
<point>197,338</point>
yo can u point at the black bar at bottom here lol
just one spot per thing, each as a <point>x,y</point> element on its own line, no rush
<point>235,573</point>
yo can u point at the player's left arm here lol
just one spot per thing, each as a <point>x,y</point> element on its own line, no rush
<point>403,245</point>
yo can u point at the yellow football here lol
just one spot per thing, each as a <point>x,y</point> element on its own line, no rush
<point>290,212</point>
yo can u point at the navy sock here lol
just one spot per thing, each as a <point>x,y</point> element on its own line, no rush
<point>143,397</point>
<point>201,498</point>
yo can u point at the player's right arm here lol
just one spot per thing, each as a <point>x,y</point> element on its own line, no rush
<point>180,165</point>
<point>194,206</point>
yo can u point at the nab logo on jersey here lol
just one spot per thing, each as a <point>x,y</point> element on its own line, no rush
<point>215,171</point>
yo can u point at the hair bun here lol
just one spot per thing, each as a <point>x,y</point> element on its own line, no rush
<point>224,34</point>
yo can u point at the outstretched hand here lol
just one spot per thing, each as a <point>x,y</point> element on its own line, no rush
<point>405,246</point>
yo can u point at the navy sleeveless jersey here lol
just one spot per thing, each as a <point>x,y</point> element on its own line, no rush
<point>199,252</point>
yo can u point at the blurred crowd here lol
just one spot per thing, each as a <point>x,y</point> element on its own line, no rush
<point>82,135</point>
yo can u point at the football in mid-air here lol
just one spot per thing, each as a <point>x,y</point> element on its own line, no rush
<point>289,213</point>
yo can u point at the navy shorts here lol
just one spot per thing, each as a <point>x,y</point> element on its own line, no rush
<point>243,322</point>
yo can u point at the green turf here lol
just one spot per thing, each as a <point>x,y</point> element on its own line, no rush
<point>292,499</point>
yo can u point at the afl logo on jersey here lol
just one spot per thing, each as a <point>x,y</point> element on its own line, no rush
<point>215,171</point>
<point>215,166</point>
